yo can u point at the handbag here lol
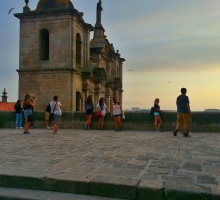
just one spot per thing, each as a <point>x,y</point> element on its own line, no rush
<point>51,114</point>
<point>98,114</point>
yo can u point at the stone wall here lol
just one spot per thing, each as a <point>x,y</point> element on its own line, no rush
<point>202,121</point>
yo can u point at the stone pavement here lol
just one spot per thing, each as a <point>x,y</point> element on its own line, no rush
<point>126,165</point>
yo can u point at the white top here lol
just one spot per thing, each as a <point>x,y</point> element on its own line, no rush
<point>57,109</point>
<point>102,108</point>
<point>116,109</point>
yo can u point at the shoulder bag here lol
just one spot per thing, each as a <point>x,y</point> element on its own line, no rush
<point>51,114</point>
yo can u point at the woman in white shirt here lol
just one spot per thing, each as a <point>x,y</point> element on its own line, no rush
<point>55,109</point>
<point>101,106</point>
<point>116,112</point>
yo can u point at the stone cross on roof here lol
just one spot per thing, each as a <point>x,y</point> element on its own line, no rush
<point>98,15</point>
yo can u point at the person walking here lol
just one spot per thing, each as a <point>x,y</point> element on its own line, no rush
<point>18,113</point>
<point>28,105</point>
<point>89,107</point>
<point>55,105</point>
<point>183,113</point>
<point>116,112</point>
<point>157,118</point>
<point>101,106</point>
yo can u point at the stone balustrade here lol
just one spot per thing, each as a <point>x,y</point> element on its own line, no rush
<point>141,121</point>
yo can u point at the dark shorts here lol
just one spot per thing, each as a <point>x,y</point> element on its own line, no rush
<point>89,111</point>
<point>56,119</point>
<point>28,114</point>
<point>117,115</point>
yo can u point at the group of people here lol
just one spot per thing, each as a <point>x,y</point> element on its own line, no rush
<point>25,111</point>
<point>183,114</point>
<point>116,113</point>
<point>53,112</point>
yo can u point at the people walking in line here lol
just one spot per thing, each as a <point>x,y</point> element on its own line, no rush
<point>55,105</point>
<point>47,117</point>
<point>101,106</point>
<point>28,111</point>
<point>157,118</point>
<point>89,107</point>
<point>18,114</point>
<point>116,112</point>
<point>183,113</point>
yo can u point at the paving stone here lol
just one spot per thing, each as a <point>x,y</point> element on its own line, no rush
<point>76,183</point>
<point>150,190</point>
<point>183,191</point>
<point>24,194</point>
<point>205,179</point>
<point>119,187</point>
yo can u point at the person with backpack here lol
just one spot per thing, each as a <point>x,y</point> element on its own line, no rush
<point>55,106</point>
<point>47,117</point>
<point>157,118</point>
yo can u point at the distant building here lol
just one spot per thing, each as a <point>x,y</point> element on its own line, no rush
<point>4,105</point>
<point>144,110</point>
<point>212,110</point>
<point>135,109</point>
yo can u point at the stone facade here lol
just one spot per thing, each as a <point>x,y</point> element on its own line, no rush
<point>58,58</point>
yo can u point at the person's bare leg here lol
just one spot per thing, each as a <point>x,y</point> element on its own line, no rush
<point>102,122</point>
<point>55,127</point>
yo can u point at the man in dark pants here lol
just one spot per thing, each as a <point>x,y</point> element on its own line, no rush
<point>183,113</point>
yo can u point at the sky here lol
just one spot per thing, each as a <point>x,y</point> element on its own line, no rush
<point>168,45</point>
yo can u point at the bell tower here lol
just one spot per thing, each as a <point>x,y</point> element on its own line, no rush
<point>54,49</point>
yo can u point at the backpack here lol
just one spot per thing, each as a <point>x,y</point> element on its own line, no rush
<point>152,110</point>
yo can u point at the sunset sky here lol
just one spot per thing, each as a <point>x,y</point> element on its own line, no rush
<point>168,45</point>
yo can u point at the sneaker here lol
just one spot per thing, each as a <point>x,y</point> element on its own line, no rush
<point>20,127</point>
<point>187,132</point>
<point>116,130</point>
<point>175,132</point>
<point>85,128</point>
<point>48,127</point>
<point>17,127</point>
<point>186,135</point>
<point>26,132</point>
<point>160,130</point>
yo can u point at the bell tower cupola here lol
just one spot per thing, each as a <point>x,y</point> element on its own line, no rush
<point>45,5</point>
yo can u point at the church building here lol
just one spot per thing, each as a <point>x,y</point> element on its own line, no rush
<point>57,57</point>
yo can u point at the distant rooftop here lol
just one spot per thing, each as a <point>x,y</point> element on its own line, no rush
<point>4,105</point>
<point>7,106</point>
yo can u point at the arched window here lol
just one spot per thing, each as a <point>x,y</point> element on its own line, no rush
<point>78,49</point>
<point>44,44</point>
